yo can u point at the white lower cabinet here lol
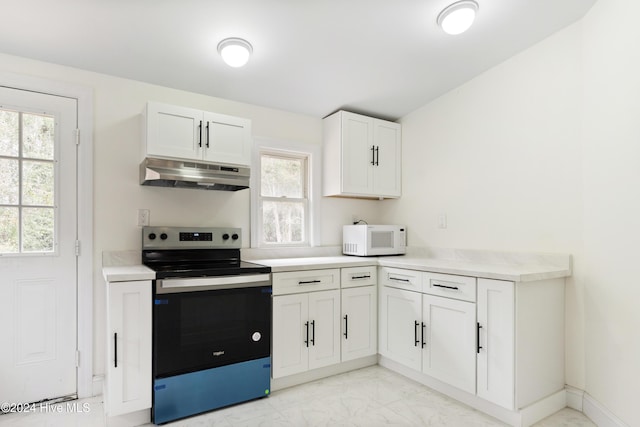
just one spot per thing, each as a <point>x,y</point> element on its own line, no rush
<point>128,373</point>
<point>306,331</point>
<point>322,318</point>
<point>431,334</point>
<point>449,342</point>
<point>458,334</point>
<point>359,322</point>
<point>400,318</point>
<point>496,346</point>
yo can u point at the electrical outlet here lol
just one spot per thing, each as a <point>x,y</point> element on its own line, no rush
<point>442,221</point>
<point>143,217</point>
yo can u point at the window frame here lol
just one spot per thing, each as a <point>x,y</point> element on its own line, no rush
<point>285,149</point>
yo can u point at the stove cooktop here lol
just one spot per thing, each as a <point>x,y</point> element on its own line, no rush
<point>200,270</point>
<point>195,252</point>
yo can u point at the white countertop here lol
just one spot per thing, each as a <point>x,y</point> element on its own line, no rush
<point>512,272</point>
<point>513,268</point>
<point>515,272</point>
<point>314,263</point>
<point>126,273</point>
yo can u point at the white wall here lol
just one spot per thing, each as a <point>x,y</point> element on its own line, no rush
<point>612,205</point>
<point>542,153</point>
<point>501,157</point>
<point>118,104</point>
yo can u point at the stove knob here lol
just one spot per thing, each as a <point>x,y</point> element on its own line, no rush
<point>152,236</point>
<point>225,236</point>
<point>163,236</point>
<point>235,236</point>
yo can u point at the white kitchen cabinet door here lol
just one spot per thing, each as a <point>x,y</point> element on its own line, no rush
<point>386,171</point>
<point>449,341</point>
<point>359,322</point>
<point>399,331</point>
<point>324,328</point>
<point>227,139</point>
<point>357,153</point>
<point>362,156</point>
<point>173,131</point>
<point>290,342</point>
<point>176,132</point>
<point>128,382</point>
<point>496,356</point>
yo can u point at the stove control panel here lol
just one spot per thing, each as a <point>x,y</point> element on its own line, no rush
<point>191,237</point>
<point>194,236</point>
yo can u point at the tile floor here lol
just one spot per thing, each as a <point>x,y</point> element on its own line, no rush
<point>367,397</point>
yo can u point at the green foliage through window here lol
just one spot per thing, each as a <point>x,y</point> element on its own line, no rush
<point>283,198</point>
<point>27,182</point>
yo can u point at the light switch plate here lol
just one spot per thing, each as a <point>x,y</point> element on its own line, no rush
<point>143,217</point>
<point>442,221</point>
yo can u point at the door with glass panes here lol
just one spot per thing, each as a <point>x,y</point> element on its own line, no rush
<point>37,246</point>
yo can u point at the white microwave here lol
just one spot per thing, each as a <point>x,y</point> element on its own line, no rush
<point>373,240</point>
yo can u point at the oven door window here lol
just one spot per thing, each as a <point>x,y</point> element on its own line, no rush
<point>207,329</point>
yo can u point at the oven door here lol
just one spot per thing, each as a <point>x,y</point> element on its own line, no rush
<point>205,323</point>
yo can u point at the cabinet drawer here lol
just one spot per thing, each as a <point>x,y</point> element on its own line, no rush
<point>400,278</point>
<point>293,282</point>
<point>358,276</point>
<point>450,286</point>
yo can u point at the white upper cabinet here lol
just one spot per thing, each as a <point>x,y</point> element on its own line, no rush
<point>176,132</point>
<point>227,139</point>
<point>362,156</point>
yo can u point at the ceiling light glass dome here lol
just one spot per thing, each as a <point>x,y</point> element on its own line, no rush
<point>234,51</point>
<point>458,17</point>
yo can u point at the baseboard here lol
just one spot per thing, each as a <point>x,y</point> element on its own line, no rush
<point>524,417</point>
<point>543,408</point>
<point>574,398</point>
<point>600,415</point>
<point>316,374</point>
<point>132,419</point>
<point>98,385</point>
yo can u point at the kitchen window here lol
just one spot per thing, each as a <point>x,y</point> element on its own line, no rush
<point>27,190</point>
<point>283,195</point>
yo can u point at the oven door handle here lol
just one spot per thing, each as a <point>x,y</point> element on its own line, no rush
<point>168,286</point>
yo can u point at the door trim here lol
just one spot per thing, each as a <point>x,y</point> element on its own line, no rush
<point>84,277</point>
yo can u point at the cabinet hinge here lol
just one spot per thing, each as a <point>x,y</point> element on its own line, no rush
<point>77,247</point>
<point>77,358</point>
<point>77,136</point>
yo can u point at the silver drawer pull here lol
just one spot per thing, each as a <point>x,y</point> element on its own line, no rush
<point>397,279</point>
<point>437,285</point>
<point>360,277</point>
<point>309,282</point>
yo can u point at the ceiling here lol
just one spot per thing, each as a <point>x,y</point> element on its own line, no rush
<point>383,58</point>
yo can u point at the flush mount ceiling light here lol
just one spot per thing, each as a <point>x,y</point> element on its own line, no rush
<point>234,51</point>
<point>458,17</point>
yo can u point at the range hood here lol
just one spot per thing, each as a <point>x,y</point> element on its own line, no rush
<point>190,174</point>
